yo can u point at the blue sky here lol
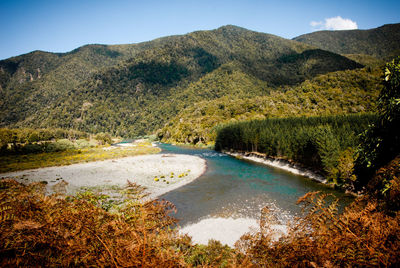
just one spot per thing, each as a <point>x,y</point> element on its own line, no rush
<point>61,26</point>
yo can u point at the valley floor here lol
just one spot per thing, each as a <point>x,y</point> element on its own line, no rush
<point>159,173</point>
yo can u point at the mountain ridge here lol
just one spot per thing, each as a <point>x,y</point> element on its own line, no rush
<point>135,89</point>
<point>382,42</point>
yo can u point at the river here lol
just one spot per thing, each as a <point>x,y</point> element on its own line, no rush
<point>228,197</point>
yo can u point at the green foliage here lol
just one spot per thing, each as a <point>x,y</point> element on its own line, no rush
<point>317,142</point>
<point>212,255</point>
<point>345,168</point>
<point>342,92</point>
<point>103,138</point>
<point>366,60</point>
<point>97,199</point>
<point>132,90</point>
<point>328,147</point>
<point>24,135</point>
<point>27,141</point>
<point>38,159</point>
<point>385,186</point>
<point>382,42</point>
<point>381,142</point>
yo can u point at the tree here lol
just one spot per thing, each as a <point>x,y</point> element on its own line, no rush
<point>381,142</point>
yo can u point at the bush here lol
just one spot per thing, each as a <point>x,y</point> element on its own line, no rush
<point>345,168</point>
<point>363,236</point>
<point>82,143</point>
<point>31,148</point>
<point>385,186</point>
<point>212,255</point>
<point>50,231</point>
<point>58,146</point>
<point>103,138</point>
<point>77,231</point>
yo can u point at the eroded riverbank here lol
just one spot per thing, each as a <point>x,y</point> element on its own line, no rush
<point>279,163</point>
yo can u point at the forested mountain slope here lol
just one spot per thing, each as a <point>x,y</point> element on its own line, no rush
<point>135,89</point>
<point>382,42</point>
<point>341,92</point>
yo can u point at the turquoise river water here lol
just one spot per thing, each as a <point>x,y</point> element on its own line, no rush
<point>233,189</point>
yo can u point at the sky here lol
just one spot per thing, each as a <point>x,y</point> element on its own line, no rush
<point>61,26</point>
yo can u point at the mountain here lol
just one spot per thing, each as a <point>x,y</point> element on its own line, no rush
<point>136,89</point>
<point>341,92</point>
<point>382,42</point>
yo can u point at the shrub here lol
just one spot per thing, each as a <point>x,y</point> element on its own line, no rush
<point>345,168</point>
<point>83,143</point>
<point>58,146</point>
<point>38,230</point>
<point>362,236</point>
<point>212,255</point>
<point>103,138</point>
<point>32,148</point>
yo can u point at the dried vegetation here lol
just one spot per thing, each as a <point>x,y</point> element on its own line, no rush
<point>39,230</point>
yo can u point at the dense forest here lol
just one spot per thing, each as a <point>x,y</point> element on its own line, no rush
<point>326,144</point>
<point>136,89</point>
<point>339,146</point>
<point>313,141</point>
<point>341,92</point>
<point>382,42</point>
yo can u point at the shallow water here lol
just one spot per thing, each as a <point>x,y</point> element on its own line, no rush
<point>238,189</point>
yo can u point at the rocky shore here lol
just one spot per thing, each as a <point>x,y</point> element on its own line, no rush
<point>278,163</point>
<point>159,173</point>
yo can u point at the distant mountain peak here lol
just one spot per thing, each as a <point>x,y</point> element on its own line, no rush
<point>382,42</point>
<point>232,27</point>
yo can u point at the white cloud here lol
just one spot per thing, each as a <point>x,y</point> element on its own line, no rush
<point>335,23</point>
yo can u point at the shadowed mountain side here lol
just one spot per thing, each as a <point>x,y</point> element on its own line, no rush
<point>382,42</point>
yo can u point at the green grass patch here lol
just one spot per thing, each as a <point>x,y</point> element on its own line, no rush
<point>31,161</point>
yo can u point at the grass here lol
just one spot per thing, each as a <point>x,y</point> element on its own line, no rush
<point>11,163</point>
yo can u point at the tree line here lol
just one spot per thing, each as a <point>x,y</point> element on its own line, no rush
<point>348,149</point>
<point>324,143</point>
<point>29,140</point>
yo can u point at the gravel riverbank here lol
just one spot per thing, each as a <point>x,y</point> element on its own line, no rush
<point>159,173</point>
<point>278,163</point>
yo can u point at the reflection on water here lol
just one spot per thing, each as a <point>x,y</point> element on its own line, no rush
<point>232,188</point>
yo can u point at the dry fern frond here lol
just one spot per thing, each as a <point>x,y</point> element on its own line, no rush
<point>49,231</point>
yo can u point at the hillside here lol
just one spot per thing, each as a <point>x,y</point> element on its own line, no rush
<point>341,92</point>
<point>135,89</point>
<point>382,42</point>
